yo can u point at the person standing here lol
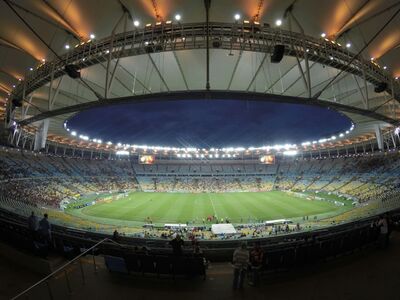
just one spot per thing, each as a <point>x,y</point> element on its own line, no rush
<point>256,261</point>
<point>176,245</point>
<point>45,229</point>
<point>33,225</point>
<point>384,231</point>
<point>240,264</point>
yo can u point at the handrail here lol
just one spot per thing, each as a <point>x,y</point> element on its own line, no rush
<point>62,267</point>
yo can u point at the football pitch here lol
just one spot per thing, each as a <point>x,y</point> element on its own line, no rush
<point>141,207</point>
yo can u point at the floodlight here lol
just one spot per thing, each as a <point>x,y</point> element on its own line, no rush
<point>66,46</point>
<point>92,36</point>
<point>178,17</point>
<point>278,22</point>
<point>323,34</point>
<point>136,23</point>
<point>237,17</point>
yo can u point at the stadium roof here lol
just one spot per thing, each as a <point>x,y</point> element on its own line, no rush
<point>122,62</point>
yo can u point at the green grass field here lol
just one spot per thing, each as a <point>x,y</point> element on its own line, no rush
<point>184,207</point>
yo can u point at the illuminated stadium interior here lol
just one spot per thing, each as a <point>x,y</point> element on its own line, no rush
<point>131,122</point>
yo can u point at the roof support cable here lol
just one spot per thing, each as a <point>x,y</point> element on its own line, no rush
<point>31,28</point>
<point>318,94</point>
<point>207,4</point>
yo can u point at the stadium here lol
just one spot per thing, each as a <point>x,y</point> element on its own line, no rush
<point>229,124</point>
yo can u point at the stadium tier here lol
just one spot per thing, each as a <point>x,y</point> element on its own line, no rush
<point>66,187</point>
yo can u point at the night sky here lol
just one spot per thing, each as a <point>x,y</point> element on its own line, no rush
<point>209,123</point>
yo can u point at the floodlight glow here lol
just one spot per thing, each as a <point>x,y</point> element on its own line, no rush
<point>347,132</point>
<point>397,130</point>
<point>384,67</point>
<point>348,45</point>
<point>84,137</point>
<point>30,69</point>
<point>237,17</point>
<point>341,135</point>
<point>278,22</point>
<point>306,143</point>
<point>136,23</point>
<point>333,137</point>
<point>119,144</point>
<point>122,152</point>
<point>66,46</point>
<point>323,34</point>
<point>73,133</point>
<point>178,17</point>
<point>290,152</point>
<point>92,36</point>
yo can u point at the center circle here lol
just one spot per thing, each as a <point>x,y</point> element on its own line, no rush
<point>208,123</point>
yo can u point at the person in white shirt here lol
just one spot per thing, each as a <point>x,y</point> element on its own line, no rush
<point>241,258</point>
<point>384,231</point>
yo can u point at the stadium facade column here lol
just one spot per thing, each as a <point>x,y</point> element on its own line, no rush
<point>4,133</point>
<point>41,135</point>
<point>379,137</point>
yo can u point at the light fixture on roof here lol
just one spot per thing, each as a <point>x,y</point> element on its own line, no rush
<point>13,85</point>
<point>323,34</point>
<point>396,78</point>
<point>278,22</point>
<point>66,46</point>
<point>384,67</point>
<point>237,17</point>
<point>348,45</point>
<point>43,60</point>
<point>331,57</point>
<point>178,17</point>
<point>372,58</point>
<point>30,69</point>
<point>92,36</point>
<point>136,23</point>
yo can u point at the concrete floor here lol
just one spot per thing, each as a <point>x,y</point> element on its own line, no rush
<point>372,274</point>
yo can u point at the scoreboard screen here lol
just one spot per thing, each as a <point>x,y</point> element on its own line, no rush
<point>146,159</point>
<point>267,159</point>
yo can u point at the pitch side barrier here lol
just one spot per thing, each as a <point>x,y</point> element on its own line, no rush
<point>340,238</point>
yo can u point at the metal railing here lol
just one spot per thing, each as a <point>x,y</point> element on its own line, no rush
<point>46,279</point>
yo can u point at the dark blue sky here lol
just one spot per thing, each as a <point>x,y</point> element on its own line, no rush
<point>208,123</point>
